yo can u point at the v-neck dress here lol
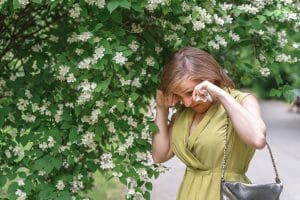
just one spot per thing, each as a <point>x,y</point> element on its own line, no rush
<point>202,152</point>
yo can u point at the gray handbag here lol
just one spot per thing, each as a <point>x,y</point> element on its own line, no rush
<point>232,190</point>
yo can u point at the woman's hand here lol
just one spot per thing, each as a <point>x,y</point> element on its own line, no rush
<point>207,91</point>
<point>165,101</point>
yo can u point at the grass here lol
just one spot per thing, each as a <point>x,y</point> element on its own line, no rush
<point>106,190</point>
<point>103,189</point>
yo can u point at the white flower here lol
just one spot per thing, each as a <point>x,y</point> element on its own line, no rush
<point>22,104</point>
<point>248,9</point>
<point>58,114</point>
<point>296,45</point>
<point>43,146</point>
<point>133,46</point>
<point>7,153</point>
<point>63,71</point>
<point>198,25</point>
<point>78,51</point>
<point>264,71</point>
<point>23,2</point>
<point>65,164</point>
<point>283,58</point>
<point>87,86</point>
<point>99,53</point>
<point>185,7</point>
<point>53,38</point>
<point>282,38</point>
<point>158,49</point>
<point>76,185</point>
<point>88,140</point>
<point>60,185</point>
<point>142,172</point>
<point>235,37</point>
<point>218,20</point>
<point>12,77</point>
<point>20,182</point>
<point>213,45</point>
<point>136,28</point>
<point>150,61</point>
<point>21,195</point>
<point>28,117</point>
<point>41,173</point>
<point>51,141</point>
<point>136,82</point>
<point>124,82</point>
<point>100,103</point>
<point>116,174</point>
<point>153,4</point>
<point>111,127</point>
<point>130,192</point>
<point>98,3</point>
<point>71,78</point>
<point>75,11</point>
<point>225,6</point>
<point>131,122</point>
<point>221,41</point>
<point>106,161</point>
<point>84,36</point>
<point>37,48</point>
<point>87,89</point>
<point>119,58</point>
<point>28,94</point>
<point>85,63</point>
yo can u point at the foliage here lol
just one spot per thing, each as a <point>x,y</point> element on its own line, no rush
<point>77,77</point>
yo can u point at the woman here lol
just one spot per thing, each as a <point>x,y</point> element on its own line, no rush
<point>196,134</point>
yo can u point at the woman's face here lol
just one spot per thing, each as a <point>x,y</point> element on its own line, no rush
<point>185,90</point>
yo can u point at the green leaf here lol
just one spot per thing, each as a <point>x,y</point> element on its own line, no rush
<point>125,4</point>
<point>117,17</point>
<point>16,4</point>
<point>134,96</point>
<point>112,5</point>
<point>120,107</point>
<point>37,1</point>
<point>73,135</point>
<point>137,7</point>
<point>2,181</point>
<point>103,85</point>
<point>1,120</point>
<point>148,186</point>
<point>153,128</point>
<point>275,92</point>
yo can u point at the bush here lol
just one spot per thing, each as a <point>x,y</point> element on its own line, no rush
<point>77,77</point>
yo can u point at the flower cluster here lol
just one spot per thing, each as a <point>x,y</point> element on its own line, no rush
<point>106,161</point>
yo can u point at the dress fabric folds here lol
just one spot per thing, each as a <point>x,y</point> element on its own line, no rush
<point>202,152</point>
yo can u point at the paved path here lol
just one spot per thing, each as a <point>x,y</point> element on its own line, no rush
<point>283,136</point>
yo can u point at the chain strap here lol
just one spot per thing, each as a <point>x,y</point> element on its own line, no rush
<point>225,157</point>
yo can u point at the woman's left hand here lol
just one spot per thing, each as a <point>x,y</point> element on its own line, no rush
<point>207,91</point>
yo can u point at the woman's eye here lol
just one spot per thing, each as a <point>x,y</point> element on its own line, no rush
<point>189,93</point>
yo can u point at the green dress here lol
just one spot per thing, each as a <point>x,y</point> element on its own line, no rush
<point>202,152</point>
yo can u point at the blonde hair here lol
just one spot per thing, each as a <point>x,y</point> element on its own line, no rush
<point>192,64</point>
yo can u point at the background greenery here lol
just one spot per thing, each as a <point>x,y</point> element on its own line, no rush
<point>77,78</point>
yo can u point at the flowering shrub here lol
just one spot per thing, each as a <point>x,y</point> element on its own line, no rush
<point>78,76</point>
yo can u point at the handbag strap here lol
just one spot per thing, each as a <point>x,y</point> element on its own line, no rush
<point>225,157</point>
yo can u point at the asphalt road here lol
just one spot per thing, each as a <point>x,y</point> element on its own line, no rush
<point>283,134</point>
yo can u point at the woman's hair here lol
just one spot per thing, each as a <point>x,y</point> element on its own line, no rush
<point>191,63</point>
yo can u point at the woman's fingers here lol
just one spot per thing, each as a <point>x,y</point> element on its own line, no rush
<point>166,100</point>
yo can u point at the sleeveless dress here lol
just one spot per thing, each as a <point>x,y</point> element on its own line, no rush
<point>202,152</point>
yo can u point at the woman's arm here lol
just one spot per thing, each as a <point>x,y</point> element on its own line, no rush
<point>245,116</point>
<point>162,140</point>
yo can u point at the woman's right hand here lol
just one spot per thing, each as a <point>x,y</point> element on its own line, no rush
<point>165,101</point>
